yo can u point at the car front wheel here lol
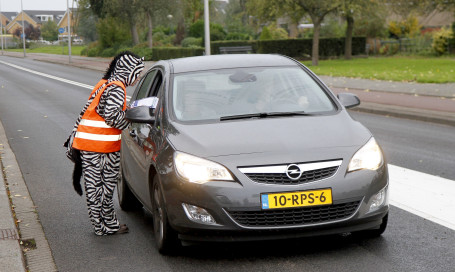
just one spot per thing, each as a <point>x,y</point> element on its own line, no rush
<point>166,237</point>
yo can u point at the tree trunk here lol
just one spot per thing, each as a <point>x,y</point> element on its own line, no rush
<point>150,31</point>
<point>134,33</point>
<point>315,50</point>
<point>348,42</point>
<point>293,30</point>
<point>180,33</point>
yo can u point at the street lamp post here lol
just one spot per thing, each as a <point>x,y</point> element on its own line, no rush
<point>23,28</point>
<point>1,25</point>
<point>171,31</point>
<point>69,31</point>
<point>207,27</point>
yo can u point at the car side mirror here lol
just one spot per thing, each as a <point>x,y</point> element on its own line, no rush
<point>141,114</point>
<point>348,100</point>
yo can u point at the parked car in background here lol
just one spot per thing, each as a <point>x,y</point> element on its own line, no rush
<point>248,147</point>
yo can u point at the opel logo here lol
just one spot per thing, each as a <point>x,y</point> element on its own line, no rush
<point>293,172</point>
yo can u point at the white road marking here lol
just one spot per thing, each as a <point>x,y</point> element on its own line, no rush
<point>52,77</point>
<point>425,195</point>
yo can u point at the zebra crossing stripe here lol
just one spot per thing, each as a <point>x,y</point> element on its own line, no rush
<point>427,196</point>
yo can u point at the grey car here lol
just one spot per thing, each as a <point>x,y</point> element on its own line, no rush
<point>248,147</point>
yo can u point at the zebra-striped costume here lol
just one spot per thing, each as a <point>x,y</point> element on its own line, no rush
<point>100,170</point>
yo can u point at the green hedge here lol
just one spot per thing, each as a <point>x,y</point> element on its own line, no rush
<point>297,48</point>
<point>163,53</point>
<point>215,46</point>
<point>451,45</point>
<point>155,53</point>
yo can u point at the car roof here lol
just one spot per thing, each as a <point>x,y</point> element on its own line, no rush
<point>214,62</point>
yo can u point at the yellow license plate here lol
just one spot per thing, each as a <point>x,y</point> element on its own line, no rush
<point>297,199</point>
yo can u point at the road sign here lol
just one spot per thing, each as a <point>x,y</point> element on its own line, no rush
<point>61,30</point>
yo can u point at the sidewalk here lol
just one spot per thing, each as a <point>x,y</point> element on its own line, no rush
<point>426,102</point>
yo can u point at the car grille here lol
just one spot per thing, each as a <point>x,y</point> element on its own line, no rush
<point>296,216</point>
<point>282,178</point>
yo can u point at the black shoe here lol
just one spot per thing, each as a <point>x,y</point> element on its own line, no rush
<point>123,229</point>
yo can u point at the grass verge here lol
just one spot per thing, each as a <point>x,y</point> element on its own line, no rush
<point>52,49</point>
<point>396,68</point>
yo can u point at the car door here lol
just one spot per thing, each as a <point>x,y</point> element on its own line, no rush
<point>132,156</point>
<point>142,146</point>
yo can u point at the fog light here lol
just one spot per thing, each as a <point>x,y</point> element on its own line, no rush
<point>378,200</point>
<point>198,214</point>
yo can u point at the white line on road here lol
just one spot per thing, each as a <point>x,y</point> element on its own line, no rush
<point>51,76</point>
<point>427,196</point>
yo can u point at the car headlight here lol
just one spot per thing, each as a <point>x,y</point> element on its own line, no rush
<point>367,157</point>
<point>199,170</point>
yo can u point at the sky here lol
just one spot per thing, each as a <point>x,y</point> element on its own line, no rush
<point>15,5</point>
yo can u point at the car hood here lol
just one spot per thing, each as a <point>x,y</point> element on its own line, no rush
<point>296,138</point>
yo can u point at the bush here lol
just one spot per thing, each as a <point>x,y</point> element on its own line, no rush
<point>145,52</point>
<point>192,42</point>
<point>217,32</point>
<point>441,40</point>
<point>161,39</point>
<point>93,52</point>
<point>236,36</point>
<point>273,32</point>
<point>108,52</point>
<point>84,51</point>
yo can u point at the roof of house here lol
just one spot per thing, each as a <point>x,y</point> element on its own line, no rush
<point>9,14</point>
<point>27,24</point>
<point>57,14</point>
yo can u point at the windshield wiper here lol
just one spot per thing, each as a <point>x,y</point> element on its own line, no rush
<point>264,115</point>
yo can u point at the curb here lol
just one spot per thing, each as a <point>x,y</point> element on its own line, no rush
<point>407,113</point>
<point>38,255</point>
<point>11,256</point>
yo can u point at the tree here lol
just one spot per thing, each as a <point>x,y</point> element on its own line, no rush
<point>87,21</point>
<point>351,9</point>
<point>159,10</point>
<point>113,33</point>
<point>49,31</point>
<point>317,10</point>
<point>33,33</point>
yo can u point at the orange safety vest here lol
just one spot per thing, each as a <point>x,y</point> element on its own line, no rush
<point>93,134</point>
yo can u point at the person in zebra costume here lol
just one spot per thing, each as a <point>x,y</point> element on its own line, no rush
<point>100,168</point>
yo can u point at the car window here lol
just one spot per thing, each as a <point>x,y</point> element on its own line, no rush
<point>213,94</point>
<point>144,88</point>
<point>156,84</point>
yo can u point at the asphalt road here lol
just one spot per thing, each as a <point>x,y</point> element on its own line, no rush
<point>38,113</point>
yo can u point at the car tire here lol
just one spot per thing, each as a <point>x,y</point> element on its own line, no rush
<point>127,200</point>
<point>166,238</point>
<point>373,233</point>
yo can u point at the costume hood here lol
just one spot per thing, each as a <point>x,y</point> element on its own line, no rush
<point>127,69</point>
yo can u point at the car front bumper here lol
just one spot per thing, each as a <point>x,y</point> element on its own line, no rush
<point>223,199</point>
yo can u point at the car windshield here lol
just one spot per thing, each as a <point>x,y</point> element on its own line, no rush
<point>244,92</point>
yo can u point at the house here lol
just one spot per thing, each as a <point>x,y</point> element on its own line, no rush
<point>7,17</point>
<point>37,18</point>
<point>63,23</point>
<point>16,23</point>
